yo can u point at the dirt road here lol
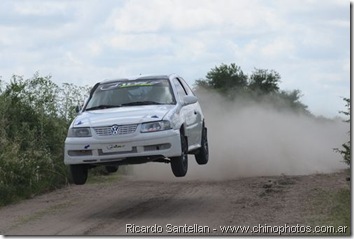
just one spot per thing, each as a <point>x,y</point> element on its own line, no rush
<point>126,206</point>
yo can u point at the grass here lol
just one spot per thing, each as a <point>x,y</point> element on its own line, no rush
<point>332,208</point>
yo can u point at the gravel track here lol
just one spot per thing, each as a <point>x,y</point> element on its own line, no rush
<point>107,208</point>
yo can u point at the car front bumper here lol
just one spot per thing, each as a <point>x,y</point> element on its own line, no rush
<point>116,149</point>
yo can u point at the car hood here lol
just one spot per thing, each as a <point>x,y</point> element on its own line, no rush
<point>122,115</point>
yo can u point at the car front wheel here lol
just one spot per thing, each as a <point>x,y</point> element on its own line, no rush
<point>79,173</point>
<point>179,165</point>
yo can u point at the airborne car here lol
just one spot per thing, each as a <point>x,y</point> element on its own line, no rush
<point>142,119</point>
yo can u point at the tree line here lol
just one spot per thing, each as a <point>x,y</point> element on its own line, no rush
<point>261,86</point>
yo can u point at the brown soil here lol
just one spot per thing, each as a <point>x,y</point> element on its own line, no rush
<point>107,208</point>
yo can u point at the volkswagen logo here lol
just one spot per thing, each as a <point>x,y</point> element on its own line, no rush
<point>115,129</point>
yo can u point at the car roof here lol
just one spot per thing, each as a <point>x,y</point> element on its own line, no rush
<point>139,77</point>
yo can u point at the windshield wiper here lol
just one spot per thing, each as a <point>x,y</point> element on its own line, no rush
<point>142,103</point>
<point>99,107</point>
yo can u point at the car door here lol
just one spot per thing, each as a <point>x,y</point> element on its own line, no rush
<point>198,115</point>
<point>189,113</point>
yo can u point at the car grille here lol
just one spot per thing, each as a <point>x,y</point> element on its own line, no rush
<point>118,130</point>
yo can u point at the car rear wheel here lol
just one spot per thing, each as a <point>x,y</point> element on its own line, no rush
<point>79,173</point>
<point>179,165</point>
<point>202,156</point>
<point>112,169</point>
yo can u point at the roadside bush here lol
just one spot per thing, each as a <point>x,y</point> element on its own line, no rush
<point>34,117</point>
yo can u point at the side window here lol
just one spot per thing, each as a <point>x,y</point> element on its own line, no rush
<point>186,87</point>
<point>180,89</point>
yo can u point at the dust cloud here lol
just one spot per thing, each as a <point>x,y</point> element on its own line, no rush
<point>256,139</point>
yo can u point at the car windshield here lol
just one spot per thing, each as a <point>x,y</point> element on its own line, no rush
<point>131,93</point>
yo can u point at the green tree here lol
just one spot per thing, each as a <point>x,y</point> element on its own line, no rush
<point>261,86</point>
<point>346,147</point>
<point>226,78</point>
<point>291,100</point>
<point>264,81</point>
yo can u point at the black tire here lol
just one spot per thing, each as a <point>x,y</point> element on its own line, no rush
<point>112,169</point>
<point>202,156</point>
<point>179,165</point>
<point>79,173</point>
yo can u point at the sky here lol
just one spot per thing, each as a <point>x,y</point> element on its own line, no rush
<point>85,41</point>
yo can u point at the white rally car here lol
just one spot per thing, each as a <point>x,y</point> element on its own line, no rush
<point>154,118</point>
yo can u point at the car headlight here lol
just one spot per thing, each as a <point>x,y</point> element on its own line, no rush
<point>79,132</point>
<point>155,126</point>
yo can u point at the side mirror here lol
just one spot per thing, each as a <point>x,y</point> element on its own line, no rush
<point>189,99</point>
<point>78,108</point>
